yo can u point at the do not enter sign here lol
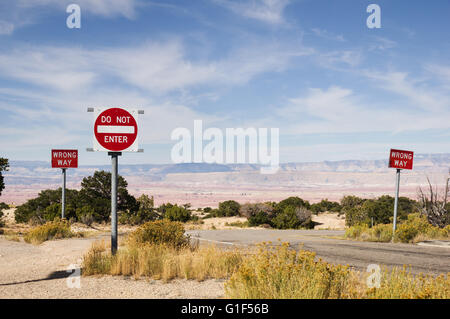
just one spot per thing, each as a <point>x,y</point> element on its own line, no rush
<point>116,130</point>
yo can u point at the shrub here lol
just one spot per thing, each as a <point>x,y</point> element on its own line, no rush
<point>257,214</point>
<point>228,208</point>
<point>416,227</point>
<point>56,229</point>
<point>145,213</point>
<point>2,207</point>
<point>177,213</point>
<point>86,215</point>
<point>290,201</point>
<point>260,218</point>
<point>378,211</point>
<point>293,218</point>
<point>160,232</point>
<point>326,206</point>
<point>283,273</point>
<point>46,206</point>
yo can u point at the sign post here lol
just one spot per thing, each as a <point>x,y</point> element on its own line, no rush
<point>400,160</point>
<point>64,159</point>
<point>115,131</point>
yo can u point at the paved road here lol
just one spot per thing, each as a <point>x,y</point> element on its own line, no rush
<point>359,255</point>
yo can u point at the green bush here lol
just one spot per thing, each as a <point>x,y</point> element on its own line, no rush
<point>160,232</point>
<point>87,215</point>
<point>326,206</point>
<point>2,207</point>
<point>291,201</point>
<point>376,211</point>
<point>38,209</point>
<point>56,229</point>
<point>228,208</point>
<point>293,218</point>
<point>146,212</point>
<point>178,214</point>
<point>257,214</point>
<point>260,218</point>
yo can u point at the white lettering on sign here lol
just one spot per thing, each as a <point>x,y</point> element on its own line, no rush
<point>401,155</point>
<point>116,139</point>
<point>400,163</point>
<point>105,119</point>
<point>123,119</point>
<point>65,154</point>
<point>64,162</point>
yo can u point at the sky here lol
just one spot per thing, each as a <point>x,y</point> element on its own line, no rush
<point>335,88</point>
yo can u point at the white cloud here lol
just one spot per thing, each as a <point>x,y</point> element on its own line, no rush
<point>328,35</point>
<point>6,28</point>
<point>419,92</point>
<point>268,11</point>
<point>340,110</point>
<point>338,59</point>
<point>382,44</point>
<point>107,8</point>
<point>158,67</point>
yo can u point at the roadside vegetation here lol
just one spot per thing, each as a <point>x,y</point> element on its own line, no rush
<point>3,206</point>
<point>57,229</point>
<point>416,228</point>
<point>159,250</point>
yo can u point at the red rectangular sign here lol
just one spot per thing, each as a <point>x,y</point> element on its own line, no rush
<point>64,158</point>
<point>401,159</point>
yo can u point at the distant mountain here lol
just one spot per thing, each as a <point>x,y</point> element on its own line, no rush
<point>202,182</point>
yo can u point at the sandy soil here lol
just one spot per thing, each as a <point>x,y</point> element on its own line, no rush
<point>329,221</point>
<point>43,271</point>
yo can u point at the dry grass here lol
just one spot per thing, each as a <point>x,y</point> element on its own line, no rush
<point>416,228</point>
<point>56,229</point>
<point>153,251</point>
<point>271,272</point>
<point>160,261</point>
<point>283,273</point>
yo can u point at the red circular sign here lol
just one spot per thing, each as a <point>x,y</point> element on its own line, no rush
<point>115,129</point>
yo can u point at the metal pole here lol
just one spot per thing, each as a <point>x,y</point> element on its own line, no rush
<point>397,186</point>
<point>63,200</point>
<point>114,180</point>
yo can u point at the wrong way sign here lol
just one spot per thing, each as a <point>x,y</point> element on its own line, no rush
<point>401,159</point>
<point>64,158</point>
<point>115,130</point>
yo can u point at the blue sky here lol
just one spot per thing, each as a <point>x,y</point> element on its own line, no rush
<point>335,88</point>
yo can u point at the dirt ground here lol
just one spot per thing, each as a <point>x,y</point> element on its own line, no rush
<point>47,271</point>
